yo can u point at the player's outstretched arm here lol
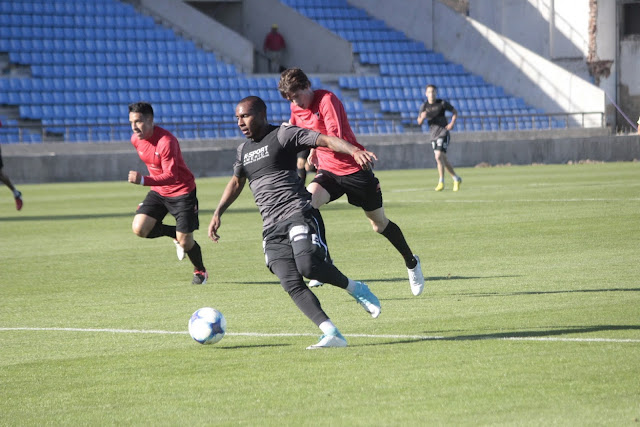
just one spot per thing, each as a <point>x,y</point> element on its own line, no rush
<point>231,192</point>
<point>363,157</point>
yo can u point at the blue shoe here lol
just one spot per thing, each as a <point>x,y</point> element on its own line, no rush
<point>331,340</point>
<point>367,299</point>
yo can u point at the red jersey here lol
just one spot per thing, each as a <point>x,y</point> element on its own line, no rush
<point>326,115</point>
<point>274,41</point>
<point>169,175</point>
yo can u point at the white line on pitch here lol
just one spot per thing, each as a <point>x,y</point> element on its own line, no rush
<point>396,337</point>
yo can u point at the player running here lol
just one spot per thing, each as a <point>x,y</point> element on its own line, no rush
<point>173,189</point>
<point>292,247</point>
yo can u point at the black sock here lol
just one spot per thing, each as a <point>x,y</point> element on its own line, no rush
<point>395,236</point>
<point>195,255</point>
<point>161,230</point>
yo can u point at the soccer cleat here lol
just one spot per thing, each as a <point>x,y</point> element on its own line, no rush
<point>18,198</point>
<point>315,284</point>
<point>416,279</point>
<point>440,186</point>
<point>367,299</point>
<point>327,341</point>
<point>199,277</point>
<point>456,184</point>
<point>179,250</point>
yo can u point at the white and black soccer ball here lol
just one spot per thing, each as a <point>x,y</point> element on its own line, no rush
<point>207,325</point>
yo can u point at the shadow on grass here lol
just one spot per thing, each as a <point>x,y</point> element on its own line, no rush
<point>503,294</point>
<point>75,217</point>
<point>549,333</point>
<point>244,347</point>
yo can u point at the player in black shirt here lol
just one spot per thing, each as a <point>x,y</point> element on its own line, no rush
<point>433,110</point>
<point>292,245</point>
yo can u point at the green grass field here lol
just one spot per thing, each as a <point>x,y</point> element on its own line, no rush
<point>530,316</point>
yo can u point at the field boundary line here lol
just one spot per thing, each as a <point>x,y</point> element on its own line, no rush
<point>375,336</point>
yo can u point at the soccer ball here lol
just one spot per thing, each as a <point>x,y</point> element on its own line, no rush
<point>207,325</point>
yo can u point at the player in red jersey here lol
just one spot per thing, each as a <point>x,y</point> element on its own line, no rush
<point>339,174</point>
<point>173,188</point>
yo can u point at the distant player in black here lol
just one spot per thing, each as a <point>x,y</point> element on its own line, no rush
<point>433,110</point>
<point>292,247</point>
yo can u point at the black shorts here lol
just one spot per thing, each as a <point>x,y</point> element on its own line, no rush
<point>183,208</point>
<point>362,188</point>
<point>441,143</point>
<point>295,236</point>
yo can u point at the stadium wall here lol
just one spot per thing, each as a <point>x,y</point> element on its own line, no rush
<point>69,162</point>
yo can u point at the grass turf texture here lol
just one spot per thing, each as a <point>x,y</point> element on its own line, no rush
<point>530,315</point>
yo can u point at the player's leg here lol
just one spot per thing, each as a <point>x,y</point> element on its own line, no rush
<point>447,165</point>
<point>363,190</point>
<point>185,211</point>
<point>279,259</point>
<point>310,262</point>
<point>147,222</point>
<point>323,189</point>
<point>6,181</point>
<point>440,166</point>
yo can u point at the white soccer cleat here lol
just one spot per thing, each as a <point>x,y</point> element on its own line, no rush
<point>416,278</point>
<point>179,250</point>
<point>328,341</point>
<point>315,284</point>
<point>367,299</point>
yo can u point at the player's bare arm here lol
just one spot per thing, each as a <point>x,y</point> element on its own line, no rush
<point>454,117</point>
<point>231,192</point>
<point>364,158</point>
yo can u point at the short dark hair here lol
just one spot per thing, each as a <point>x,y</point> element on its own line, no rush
<point>143,108</point>
<point>431,85</point>
<point>256,103</point>
<point>292,80</point>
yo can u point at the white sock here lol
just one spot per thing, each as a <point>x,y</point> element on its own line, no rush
<point>351,287</point>
<point>456,178</point>
<point>441,180</point>
<point>328,328</point>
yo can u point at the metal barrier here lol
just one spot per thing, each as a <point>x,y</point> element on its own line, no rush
<point>106,132</point>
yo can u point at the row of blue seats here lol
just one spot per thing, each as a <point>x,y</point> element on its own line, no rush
<point>85,33</point>
<point>421,69</point>
<point>383,35</point>
<point>357,82</point>
<point>141,70</point>
<point>89,45</point>
<point>404,58</point>
<point>71,20</point>
<point>352,24</point>
<point>97,112</point>
<point>333,12</point>
<point>315,3</point>
<point>109,58</point>
<point>472,92</point>
<point>390,47</point>
<point>135,83</point>
<point>67,8</point>
<point>514,105</point>
<point>126,96</point>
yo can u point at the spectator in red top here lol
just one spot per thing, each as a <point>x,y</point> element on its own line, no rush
<point>274,47</point>
<point>173,189</point>
<point>6,181</point>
